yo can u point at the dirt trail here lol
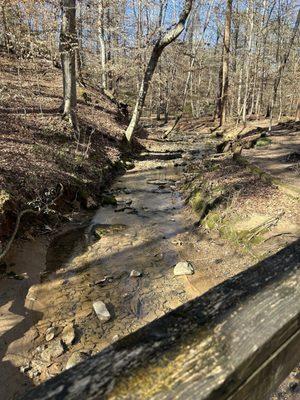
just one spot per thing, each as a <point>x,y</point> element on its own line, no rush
<point>280,157</point>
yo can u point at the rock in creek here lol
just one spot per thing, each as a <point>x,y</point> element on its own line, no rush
<point>135,274</point>
<point>159,182</point>
<point>76,358</point>
<point>50,333</point>
<point>101,310</point>
<point>183,268</point>
<point>68,334</point>
<point>53,350</point>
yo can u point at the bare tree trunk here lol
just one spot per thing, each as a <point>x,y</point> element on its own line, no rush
<point>4,21</point>
<point>282,66</point>
<point>102,43</point>
<point>248,64</point>
<point>225,66</point>
<point>297,117</point>
<point>68,46</point>
<point>79,52</point>
<point>157,50</point>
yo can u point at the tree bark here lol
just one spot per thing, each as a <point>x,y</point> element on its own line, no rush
<point>5,29</point>
<point>102,43</point>
<point>225,66</point>
<point>157,50</point>
<point>297,116</point>
<point>68,47</point>
<point>248,63</point>
<point>281,68</point>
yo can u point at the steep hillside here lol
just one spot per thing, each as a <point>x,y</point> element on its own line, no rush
<point>39,153</point>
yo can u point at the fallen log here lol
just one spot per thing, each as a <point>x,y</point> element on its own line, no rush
<point>243,142</point>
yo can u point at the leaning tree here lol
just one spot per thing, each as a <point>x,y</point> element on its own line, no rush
<point>162,42</point>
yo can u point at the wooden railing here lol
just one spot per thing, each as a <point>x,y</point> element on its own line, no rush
<point>236,342</point>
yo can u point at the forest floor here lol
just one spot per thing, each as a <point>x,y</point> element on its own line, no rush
<point>39,153</point>
<point>180,201</point>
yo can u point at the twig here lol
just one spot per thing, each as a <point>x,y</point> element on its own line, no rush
<point>266,225</point>
<point>20,215</point>
<point>279,234</point>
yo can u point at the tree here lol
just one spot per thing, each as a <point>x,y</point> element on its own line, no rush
<point>225,64</point>
<point>102,43</point>
<point>163,41</point>
<point>282,66</point>
<point>68,47</point>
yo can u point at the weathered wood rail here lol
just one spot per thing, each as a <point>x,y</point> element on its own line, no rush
<point>236,342</point>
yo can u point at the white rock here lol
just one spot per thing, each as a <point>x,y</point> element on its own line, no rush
<point>50,333</point>
<point>101,310</point>
<point>183,268</point>
<point>115,338</point>
<point>68,334</point>
<point>135,274</point>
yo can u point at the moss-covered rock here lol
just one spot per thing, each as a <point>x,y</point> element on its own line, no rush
<point>197,201</point>
<point>206,199</point>
<point>263,141</point>
<point>108,200</point>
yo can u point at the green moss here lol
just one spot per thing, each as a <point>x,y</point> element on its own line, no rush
<point>244,239</point>
<point>264,141</point>
<point>100,231</point>
<point>108,200</point>
<point>197,202</point>
<point>212,220</point>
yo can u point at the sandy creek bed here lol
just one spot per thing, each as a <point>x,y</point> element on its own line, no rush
<point>146,232</point>
<point>150,230</point>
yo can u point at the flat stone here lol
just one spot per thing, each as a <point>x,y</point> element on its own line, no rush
<point>101,310</point>
<point>55,369</point>
<point>50,333</point>
<point>135,274</point>
<point>158,182</point>
<point>76,358</point>
<point>39,365</point>
<point>115,338</point>
<point>68,334</point>
<point>53,350</point>
<point>183,268</point>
